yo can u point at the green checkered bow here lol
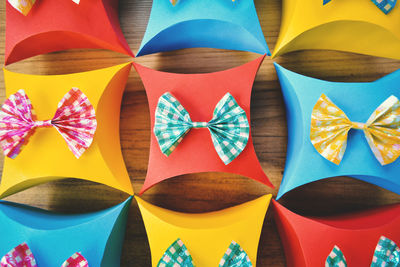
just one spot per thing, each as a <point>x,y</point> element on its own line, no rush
<point>386,254</point>
<point>235,256</point>
<point>336,258</point>
<point>177,255</point>
<point>229,126</point>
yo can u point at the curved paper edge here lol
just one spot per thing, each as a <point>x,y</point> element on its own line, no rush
<point>291,225</point>
<point>110,102</point>
<point>288,236</point>
<point>260,177</point>
<point>40,41</point>
<point>46,41</point>
<point>121,182</point>
<point>342,35</point>
<point>362,220</point>
<point>293,124</point>
<point>5,192</point>
<point>192,220</point>
<point>150,184</point>
<point>209,33</point>
<point>382,182</point>
<point>37,218</point>
<point>113,249</point>
<point>109,224</point>
<point>217,221</point>
<point>113,17</point>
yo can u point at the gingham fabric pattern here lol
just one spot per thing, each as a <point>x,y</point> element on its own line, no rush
<point>20,256</point>
<point>235,256</point>
<point>336,258</point>
<point>384,5</point>
<point>387,254</point>
<point>75,120</point>
<point>177,255</point>
<point>76,260</point>
<point>330,127</point>
<point>24,6</point>
<point>229,127</point>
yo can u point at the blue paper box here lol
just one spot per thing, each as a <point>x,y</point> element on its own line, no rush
<point>223,24</point>
<point>53,238</point>
<point>358,101</point>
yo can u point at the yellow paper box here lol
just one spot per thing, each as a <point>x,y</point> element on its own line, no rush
<point>207,236</point>
<point>46,156</point>
<point>357,26</point>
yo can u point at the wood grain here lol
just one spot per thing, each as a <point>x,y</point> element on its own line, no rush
<point>205,192</point>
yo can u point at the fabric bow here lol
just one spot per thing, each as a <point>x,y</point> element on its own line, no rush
<point>75,120</point>
<point>386,253</point>
<point>21,256</point>
<point>177,255</point>
<point>174,2</point>
<point>24,6</point>
<point>229,126</point>
<point>330,126</point>
<point>384,5</point>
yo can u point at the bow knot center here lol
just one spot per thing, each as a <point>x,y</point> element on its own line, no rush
<point>200,124</point>
<point>358,125</point>
<point>46,123</point>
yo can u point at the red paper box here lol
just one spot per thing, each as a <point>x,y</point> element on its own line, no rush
<point>308,241</point>
<point>199,94</point>
<point>54,25</point>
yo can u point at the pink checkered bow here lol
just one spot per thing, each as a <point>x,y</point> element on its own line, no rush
<point>75,120</point>
<point>21,256</point>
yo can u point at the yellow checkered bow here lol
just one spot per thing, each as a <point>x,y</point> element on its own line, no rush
<point>330,127</point>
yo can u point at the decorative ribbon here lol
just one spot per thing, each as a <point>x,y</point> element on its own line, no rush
<point>330,127</point>
<point>384,5</point>
<point>75,120</point>
<point>177,255</point>
<point>229,126</point>
<point>21,256</point>
<point>386,254</point>
<point>174,2</point>
<point>24,6</point>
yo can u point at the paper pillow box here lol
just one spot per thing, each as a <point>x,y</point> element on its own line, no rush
<point>222,24</point>
<point>309,240</point>
<point>53,237</point>
<point>357,26</point>
<point>199,95</point>
<point>304,164</point>
<point>60,25</point>
<point>206,233</point>
<point>46,156</point>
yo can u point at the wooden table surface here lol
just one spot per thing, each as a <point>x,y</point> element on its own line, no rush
<point>212,191</point>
